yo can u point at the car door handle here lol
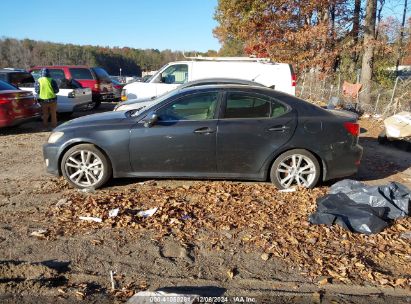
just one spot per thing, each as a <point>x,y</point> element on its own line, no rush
<point>278,128</point>
<point>204,130</point>
<point>153,97</point>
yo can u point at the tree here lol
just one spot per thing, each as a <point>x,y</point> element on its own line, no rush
<point>368,50</point>
<point>304,32</point>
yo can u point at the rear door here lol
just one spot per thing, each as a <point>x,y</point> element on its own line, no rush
<point>251,128</point>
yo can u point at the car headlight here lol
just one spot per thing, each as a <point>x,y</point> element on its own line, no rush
<point>55,136</point>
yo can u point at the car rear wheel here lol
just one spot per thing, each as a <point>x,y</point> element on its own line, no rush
<point>295,168</point>
<point>85,166</point>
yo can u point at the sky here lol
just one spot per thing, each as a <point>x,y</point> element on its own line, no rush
<point>159,24</point>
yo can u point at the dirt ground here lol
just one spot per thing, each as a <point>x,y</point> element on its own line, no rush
<point>74,266</point>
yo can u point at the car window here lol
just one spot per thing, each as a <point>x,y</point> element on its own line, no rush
<point>3,77</point>
<point>6,86</point>
<point>177,73</point>
<point>193,107</point>
<point>36,74</point>
<point>57,74</point>
<point>101,74</point>
<point>22,79</point>
<point>81,73</point>
<point>277,109</point>
<point>242,105</point>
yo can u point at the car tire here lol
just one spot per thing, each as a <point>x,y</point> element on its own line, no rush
<point>97,104</point>
<point>84,166</point>
<point>296,167</point>
<point>64,115</point>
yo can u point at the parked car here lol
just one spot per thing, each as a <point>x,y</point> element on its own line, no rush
<point>16,106</point>
<point>279,76</point>
<point>117,88</point>
<point>71,96</point>
<point>137,104</point>
<point>215,131</point>
<point>95,78</point>
<point>16,77</point>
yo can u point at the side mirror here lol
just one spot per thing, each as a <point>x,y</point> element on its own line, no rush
<point>150,120</point>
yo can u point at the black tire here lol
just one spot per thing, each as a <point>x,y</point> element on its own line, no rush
<point>64,115</point>
<point>97,104</point>
<point>105,168</point>
<point>307,159</point>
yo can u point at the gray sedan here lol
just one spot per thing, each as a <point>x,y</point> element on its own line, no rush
<point>211,131</point>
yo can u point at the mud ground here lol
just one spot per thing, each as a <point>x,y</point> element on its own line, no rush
<point>76,268</point>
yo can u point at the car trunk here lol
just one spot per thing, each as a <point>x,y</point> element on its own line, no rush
<point>17,105</point>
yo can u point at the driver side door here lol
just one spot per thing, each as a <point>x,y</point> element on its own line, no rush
<point>183,140</point>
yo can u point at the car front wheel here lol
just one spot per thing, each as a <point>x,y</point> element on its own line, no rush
<point>85,166</point>
<point>295,168</point>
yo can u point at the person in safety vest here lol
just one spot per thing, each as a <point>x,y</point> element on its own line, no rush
<point>46,89</point>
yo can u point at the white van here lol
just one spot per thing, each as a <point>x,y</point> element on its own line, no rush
<point>279,76</point>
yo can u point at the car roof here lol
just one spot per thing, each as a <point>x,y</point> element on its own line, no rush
<point>207,87</point>
<point>59,66</point>
<point>12,70</point>
<point>211,81</point>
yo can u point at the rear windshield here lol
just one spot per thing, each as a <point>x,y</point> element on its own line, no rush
<point>56,74</point>
<point>101,74</point>
<point>6,86</point>
<point>22,79</point>
<point>81,73</point>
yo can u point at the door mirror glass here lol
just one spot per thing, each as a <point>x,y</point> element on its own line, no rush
<point>150,120</point>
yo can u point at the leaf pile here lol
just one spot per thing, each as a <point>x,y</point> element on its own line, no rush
<point>255,215</point>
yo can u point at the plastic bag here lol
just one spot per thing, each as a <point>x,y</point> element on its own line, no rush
<point>361,208</point>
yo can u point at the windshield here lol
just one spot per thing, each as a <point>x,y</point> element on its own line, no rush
<point>147,105</point>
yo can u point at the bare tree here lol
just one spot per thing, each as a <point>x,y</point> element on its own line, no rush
<point>368,47</point>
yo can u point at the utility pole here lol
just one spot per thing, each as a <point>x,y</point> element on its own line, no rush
<point>401,38</point>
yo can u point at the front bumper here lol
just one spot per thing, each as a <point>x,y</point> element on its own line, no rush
<point>50,154</point>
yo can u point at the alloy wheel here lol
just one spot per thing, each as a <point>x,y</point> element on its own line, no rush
<point>84,168</point>
<point>296,169</point>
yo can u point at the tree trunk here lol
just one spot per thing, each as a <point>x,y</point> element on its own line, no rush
<point>355,33</point>
<point>356,20</point>
<point>368,47</point>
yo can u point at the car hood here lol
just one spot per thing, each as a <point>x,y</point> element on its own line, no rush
<point>106,118</point>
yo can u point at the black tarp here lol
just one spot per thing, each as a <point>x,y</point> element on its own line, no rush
<point>361,208</point>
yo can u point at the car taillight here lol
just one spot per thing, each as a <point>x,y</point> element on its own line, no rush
<point>5,98</point>
<point>293,80</point>
<point>97,86</point>
<point>352,128</point>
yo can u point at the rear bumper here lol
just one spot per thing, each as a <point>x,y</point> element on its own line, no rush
<point>50,154</point>
<point>342,162</point>
<point>11,122</point>
<point>103,96</point>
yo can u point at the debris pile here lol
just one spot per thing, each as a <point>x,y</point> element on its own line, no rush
<point>255,215</point>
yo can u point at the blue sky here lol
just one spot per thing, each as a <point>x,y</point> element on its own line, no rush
<point>161,24</point>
